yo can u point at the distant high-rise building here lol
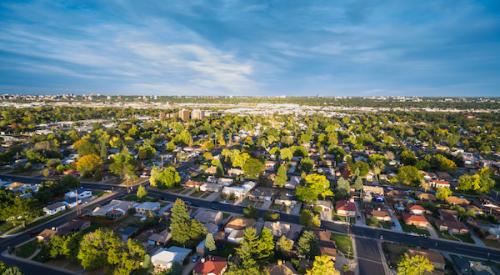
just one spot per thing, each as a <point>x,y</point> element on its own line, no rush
<point>197,114</point>
<point>184,114</point>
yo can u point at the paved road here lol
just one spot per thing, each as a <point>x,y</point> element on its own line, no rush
<point>369,258</point>
<point>361,231</point>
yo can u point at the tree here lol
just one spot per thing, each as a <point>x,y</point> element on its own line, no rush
<point>362,167</point>
<point>308,245</point>
<point>93,249</point>
<point>409,175</point>
<point>284,244</point>
<point>123,165</point>
<point>414,265</point>
<point>286,154</point>
<point>358,184</point>
<point>316,186</point>
<point>281,177</point>
<point>443,193</point>
<point>343,188</point>
<point>479,182</point>
<point>89,165</point>
<point>182,227</point>
<point>441,162</point>
<point>13,270</point>
<point>408,157</point>
<point>141,192</point>
<point>247,252</point>
<point>309,219</point>
<point>322,265</point>
<point>253,168</point>
<point>266,245</point>
<point>210,242</point>
<point>306,164</point>
<point>164,178</point>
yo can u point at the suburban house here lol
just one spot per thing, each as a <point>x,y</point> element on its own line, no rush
<point>278,228</point>
<point>46,235</point>
<point>262,194</point>
<point>457,201</point>
<point>80,193</point>
<point>209,216</point>
<point>211,265</point>
<point>234,172</point>
<point>292,183</point>
<point>159,239</point>
<point>416,209</point>
<point>417,220</point>
<point>326,245</point>
<point>54,208</point>
<point>114,209</point>
<point>238,223</point>
<point>74,225</point>
<point>193,184</point>
<point>426,197</point>
<point>439,183</point>
<point>448,222</point>
<point>238,191</point>
<point>346,208</point>
<point>281,268</point>
<point>147,208</point>
<point>326,209</point>
<point>164,258</point>
<point>211,187</point>
<point>381,215</point>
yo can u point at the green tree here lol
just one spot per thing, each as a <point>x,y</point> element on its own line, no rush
<point>286,154</point>
<point>409,175</point>
<point>164,178</point>
<point>443,193</point>
<point>414,265</point>
<point>322,265</point>
<point>182,227</point>
<point>210,242</point>
<point>309,219</point>
<point>253,168</point>
<point>89,165</point>
<point>141,192</point>
<point>480,182</point>
<point>94,249</point>
<point>13,270</point>
<point>123,165</point>
<point>284,245</point>
<point>281,177</point>
<point>266,246</point>
<point>362,167</point>
<point>358,183</point>
<point>408,157</point>
<point>315,186</point>
<point>306,164</point>
<point>308,245</point>
<point>343,188</point>
<point>247,252</point>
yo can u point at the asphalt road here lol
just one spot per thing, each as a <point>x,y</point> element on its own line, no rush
<point>366,232</point>
<point>369,258</point>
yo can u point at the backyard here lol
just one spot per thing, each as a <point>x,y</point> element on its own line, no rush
<point>343,243</point>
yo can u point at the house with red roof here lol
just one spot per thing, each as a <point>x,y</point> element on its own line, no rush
<point>417,220</point>
<point>211,265</point>
<point>416,209</point>
<point>346,208</point>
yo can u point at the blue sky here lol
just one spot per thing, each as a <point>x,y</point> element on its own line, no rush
<point>330,48</point>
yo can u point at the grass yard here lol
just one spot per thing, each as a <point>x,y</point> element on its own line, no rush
<point>27,249</point>
<point>414,229</point>
<point>133,197</point>
<point>343,243</point>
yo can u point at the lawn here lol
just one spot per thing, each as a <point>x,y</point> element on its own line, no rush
<point>343,243</point>
<point>414,229</point>
<point>133,197</point>
<point>41,220</point>
<point>466,238</point>
<point>27,249</point>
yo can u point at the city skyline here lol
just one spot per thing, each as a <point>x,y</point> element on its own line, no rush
<point>260,48</point>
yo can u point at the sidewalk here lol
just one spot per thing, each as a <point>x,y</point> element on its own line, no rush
<point>397,226</point>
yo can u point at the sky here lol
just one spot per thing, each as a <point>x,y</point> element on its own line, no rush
<point>261,48</point>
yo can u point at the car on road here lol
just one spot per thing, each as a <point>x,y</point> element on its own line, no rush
<point>195,258</point>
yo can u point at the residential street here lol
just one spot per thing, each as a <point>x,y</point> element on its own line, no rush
<point>369,258</point>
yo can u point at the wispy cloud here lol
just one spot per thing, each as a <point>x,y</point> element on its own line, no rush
<point>251,47</point>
